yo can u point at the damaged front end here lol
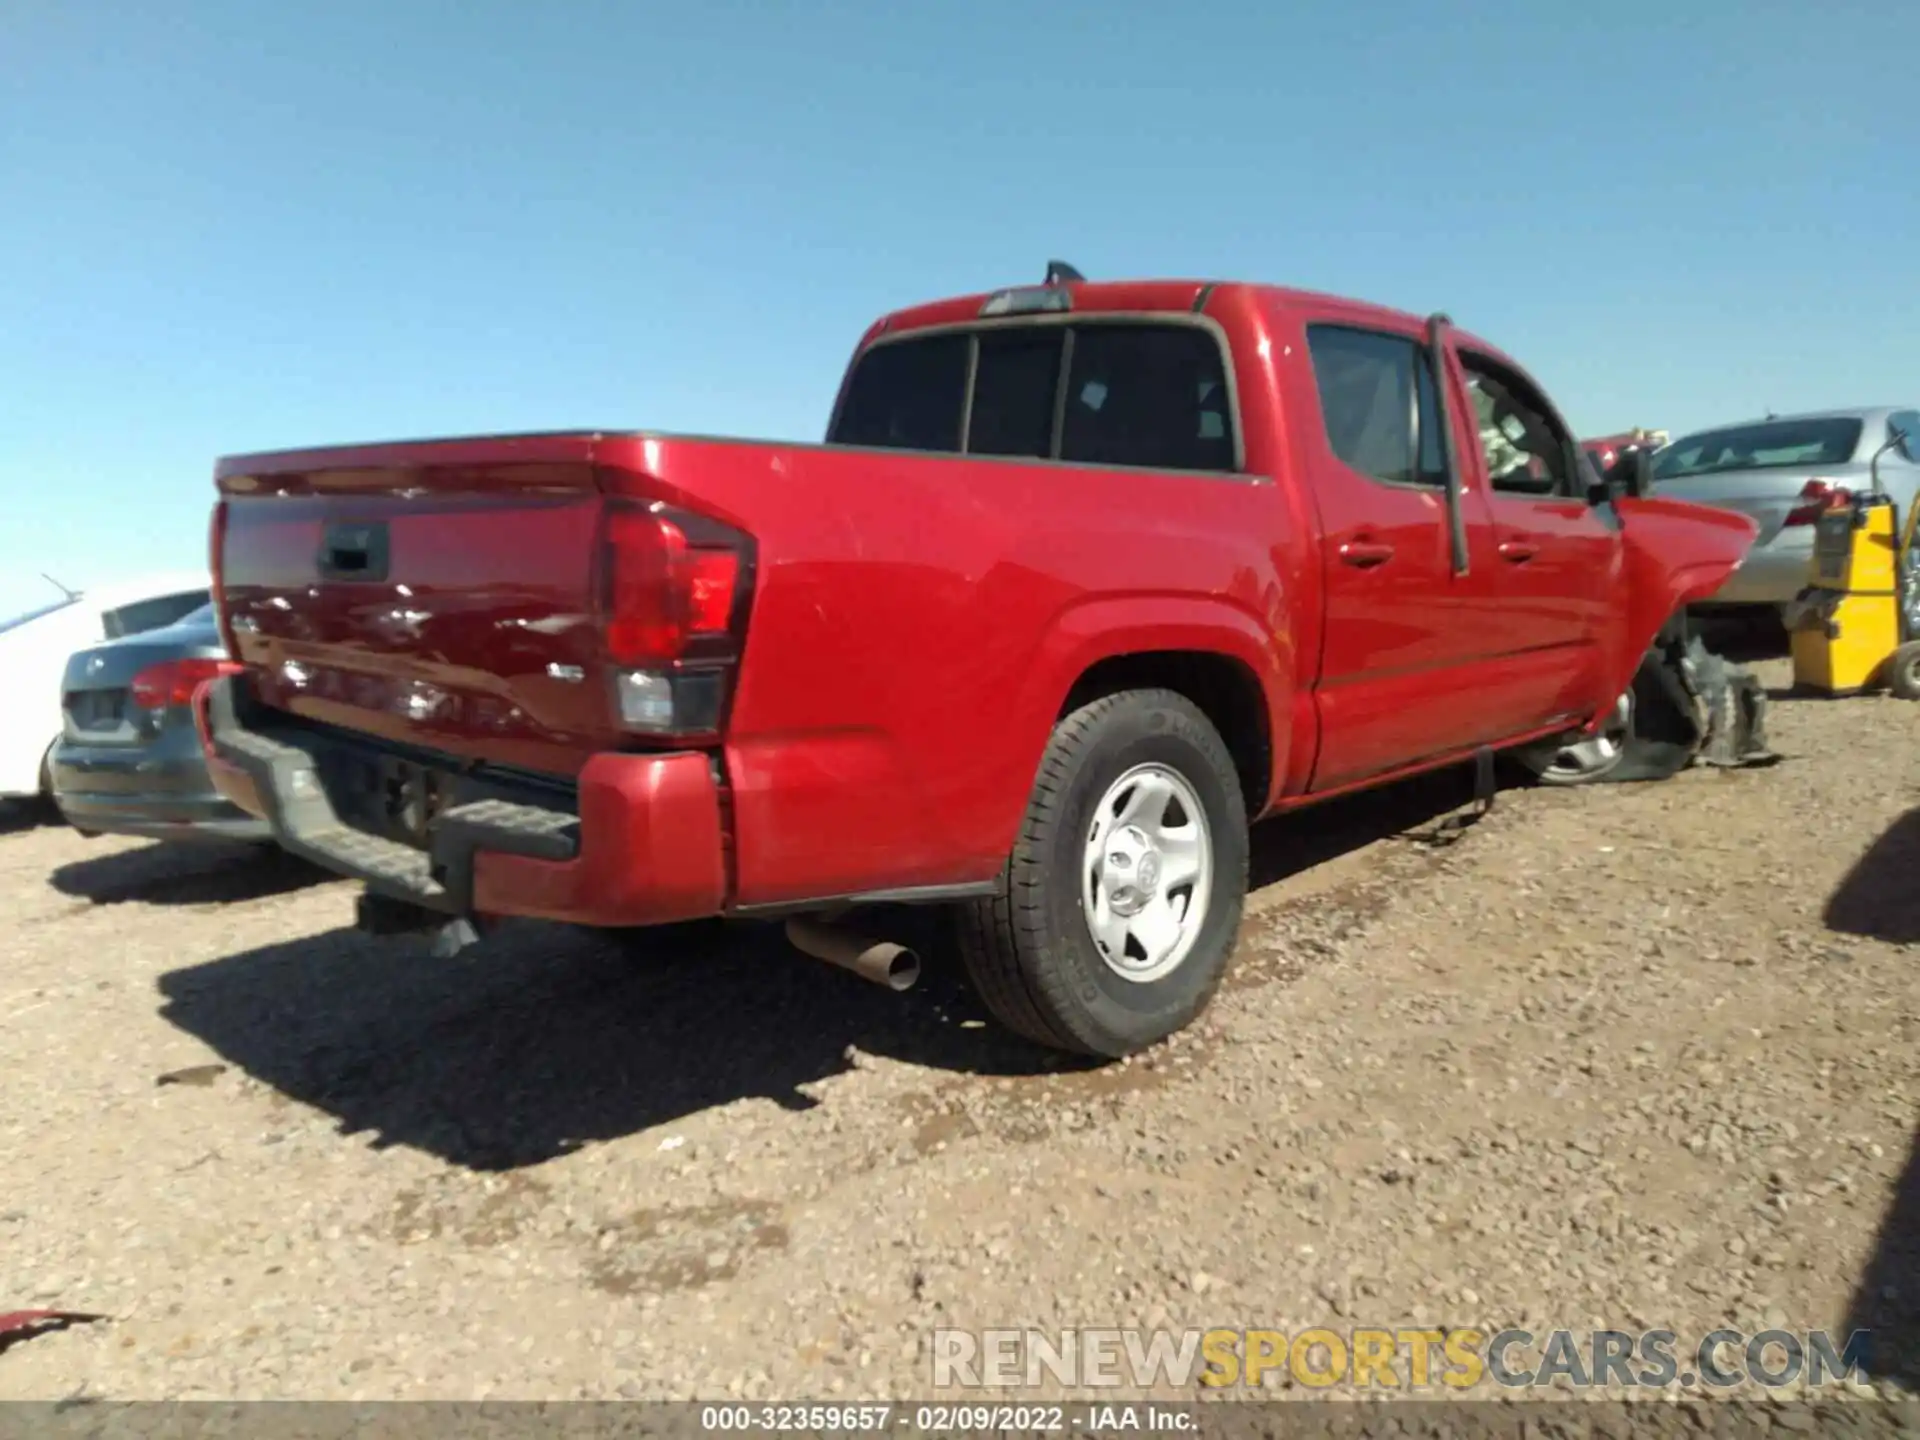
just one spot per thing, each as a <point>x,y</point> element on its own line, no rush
<point>1683,703</point>
<point>1730,707</point>
<point>1693,707</point>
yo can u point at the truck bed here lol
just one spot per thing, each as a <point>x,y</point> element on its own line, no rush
<point>908,618</point>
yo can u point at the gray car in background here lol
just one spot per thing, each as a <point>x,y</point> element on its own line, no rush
<point>128,760</point>
<point>1780,471</point>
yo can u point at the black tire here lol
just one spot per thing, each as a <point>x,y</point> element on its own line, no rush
<point>1028,950</point>
<point>1903,671</point>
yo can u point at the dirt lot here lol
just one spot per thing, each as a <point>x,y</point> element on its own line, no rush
<point>1634,1056</point>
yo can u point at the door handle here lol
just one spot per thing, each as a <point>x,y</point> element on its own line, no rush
<point>1366,553</point>
<point>1518,551</point>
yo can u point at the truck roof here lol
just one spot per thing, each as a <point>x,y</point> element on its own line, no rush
<point>1218,297</point>
<point>1171,296</point>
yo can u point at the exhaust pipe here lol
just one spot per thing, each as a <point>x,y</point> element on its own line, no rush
<point>881,961</point>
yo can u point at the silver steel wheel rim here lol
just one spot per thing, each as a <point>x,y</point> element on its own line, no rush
<point>1598,752</point>
<point>1147,873</point>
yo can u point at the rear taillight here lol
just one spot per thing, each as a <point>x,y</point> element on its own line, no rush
<point>674,595</point>
<point>172,682</point>
<point>1815,496</point>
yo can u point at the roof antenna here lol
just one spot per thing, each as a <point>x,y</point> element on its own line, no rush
<point>70,594</point>
<point>1059,272</point>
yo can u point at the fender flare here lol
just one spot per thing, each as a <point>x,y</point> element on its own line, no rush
<point>1110,627</point>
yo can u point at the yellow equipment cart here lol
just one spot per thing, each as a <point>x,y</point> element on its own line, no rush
<point>1852,628</point>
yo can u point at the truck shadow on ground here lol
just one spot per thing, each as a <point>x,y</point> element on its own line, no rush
<point>1879,898</point>
<point>543,1038</point>
<point>1886,1299</point>
<point>1408,812</point>
<point>186,873</point>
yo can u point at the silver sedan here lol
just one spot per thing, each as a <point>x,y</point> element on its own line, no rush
<point>1781,471</point>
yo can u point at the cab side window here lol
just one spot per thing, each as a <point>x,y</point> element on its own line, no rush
<point>1378,404</point>
<point>1526,451</point>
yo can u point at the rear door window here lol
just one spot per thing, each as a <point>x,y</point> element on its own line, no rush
<point>144,615</point>
<point>1375,421</point>
<point>906,395</point>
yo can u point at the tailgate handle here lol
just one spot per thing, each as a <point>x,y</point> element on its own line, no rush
<point>354,550</point>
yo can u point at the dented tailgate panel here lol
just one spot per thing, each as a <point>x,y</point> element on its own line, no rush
<point>450,608</point>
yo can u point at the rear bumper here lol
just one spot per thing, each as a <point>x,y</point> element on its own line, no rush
<point>121,790</point>
<point>640,841</point>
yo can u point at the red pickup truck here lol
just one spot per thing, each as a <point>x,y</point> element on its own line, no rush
<point>1085,577</point>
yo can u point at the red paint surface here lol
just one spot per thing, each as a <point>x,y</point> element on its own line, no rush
<point>916,621</point>
<point>651,850</point>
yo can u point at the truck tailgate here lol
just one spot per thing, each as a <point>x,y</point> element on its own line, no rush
<point>438,594</point>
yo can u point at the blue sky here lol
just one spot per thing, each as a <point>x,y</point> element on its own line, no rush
<point>238,226</point>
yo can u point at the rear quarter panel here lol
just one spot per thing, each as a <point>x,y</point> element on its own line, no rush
<point>918,621</point>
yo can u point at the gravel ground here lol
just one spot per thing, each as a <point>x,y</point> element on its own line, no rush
<point>1635,1056</point>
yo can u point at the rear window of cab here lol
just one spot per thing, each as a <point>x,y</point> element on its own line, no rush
<point>1132,393</point>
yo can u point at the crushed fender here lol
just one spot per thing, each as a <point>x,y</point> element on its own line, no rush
<point>1733,710</point>
<point>1694,707</point>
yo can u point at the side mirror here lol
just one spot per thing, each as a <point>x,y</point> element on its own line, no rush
<point>1632,473</point>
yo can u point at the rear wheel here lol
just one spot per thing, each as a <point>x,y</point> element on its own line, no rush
<point>1117,911</point>
<point>1903,671</point>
